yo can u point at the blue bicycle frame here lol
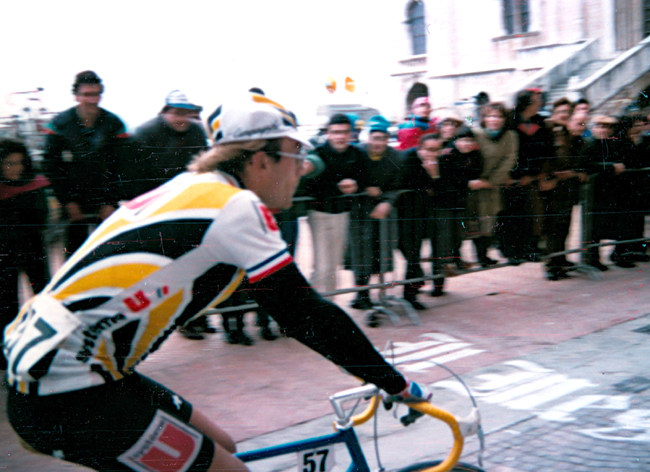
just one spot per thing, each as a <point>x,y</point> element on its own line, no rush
<point>346,436</point>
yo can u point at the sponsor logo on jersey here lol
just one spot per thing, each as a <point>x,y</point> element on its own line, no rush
<point>93,332</point>
<point>167,445</point>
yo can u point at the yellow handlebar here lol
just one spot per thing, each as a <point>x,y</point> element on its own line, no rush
<point>427,409</point>
<point>445,416</point>
<point>367,413</point>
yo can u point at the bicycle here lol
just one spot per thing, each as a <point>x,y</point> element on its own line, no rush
<point>315,454</point>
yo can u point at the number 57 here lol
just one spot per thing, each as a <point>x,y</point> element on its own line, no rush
<point>317,460</point>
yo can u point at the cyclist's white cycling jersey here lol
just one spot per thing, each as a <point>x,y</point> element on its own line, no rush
<point>158,261</point>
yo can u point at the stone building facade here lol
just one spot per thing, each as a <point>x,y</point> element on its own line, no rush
<point>457,48</point>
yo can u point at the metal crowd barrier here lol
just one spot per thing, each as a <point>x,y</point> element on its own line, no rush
<point>587,211</point>
<point>395,307</point>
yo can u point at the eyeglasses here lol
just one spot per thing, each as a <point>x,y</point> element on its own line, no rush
<point>301,157</point>
<point>90,94</point>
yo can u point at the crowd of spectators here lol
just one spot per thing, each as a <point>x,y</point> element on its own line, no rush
<point>508,178</point>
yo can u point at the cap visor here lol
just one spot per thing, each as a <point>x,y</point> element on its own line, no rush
<point>185,106</point>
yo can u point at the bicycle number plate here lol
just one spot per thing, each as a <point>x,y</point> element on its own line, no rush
<point>316,460</point>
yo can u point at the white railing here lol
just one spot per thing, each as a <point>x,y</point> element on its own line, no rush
<point>612,78</point>
<point>563,69</point>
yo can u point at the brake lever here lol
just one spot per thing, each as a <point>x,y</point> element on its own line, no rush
<point>411,417</point>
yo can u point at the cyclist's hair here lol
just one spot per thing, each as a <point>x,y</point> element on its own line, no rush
<point>339,119</point>
<point>233,157</point>
<point>561,102</point>
<point>582,101</point>
<point>86,77</point>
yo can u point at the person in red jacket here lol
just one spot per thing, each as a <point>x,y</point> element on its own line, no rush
<point>417,124</point>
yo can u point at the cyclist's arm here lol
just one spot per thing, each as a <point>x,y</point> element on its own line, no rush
<point>323,327</point>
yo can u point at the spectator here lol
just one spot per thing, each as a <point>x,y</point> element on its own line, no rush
<point>562,110</point>
<point>634,152</point>
<point>165,145</point>
<point>420,173</point>
<point>482,99</point>
<point>417,124</point>
<point>498,146</point>
<point>82,159</point>
<point>603,163</point>
<point>520,223</point>
<point>559,184</point>
<point>449,124</point>
<point>23,212</point>
<point>460,163</point>
<point>365,245</point>
<point>344,173</point>
<point>582,107</point>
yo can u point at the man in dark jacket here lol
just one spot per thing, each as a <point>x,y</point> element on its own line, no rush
<point>81,158</point>
<point>345,172</point>
<point>560,180</point>
<point>165,145</point>
<point>366,256</point>
<point>162,148</point>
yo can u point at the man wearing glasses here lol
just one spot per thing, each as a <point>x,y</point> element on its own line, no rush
<point>156,263</point>
<point>81,159</point>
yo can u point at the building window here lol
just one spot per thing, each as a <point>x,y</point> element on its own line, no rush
<point>417,27</point>
<point>516,16</point>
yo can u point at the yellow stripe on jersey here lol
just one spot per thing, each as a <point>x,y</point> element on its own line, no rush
<point>120,276</point>
<point>107,361</point>
<point>82,251</point>
<point>97,235</point>
<point>18,318</point>
<point>159,319</point>
<point>200,195</point>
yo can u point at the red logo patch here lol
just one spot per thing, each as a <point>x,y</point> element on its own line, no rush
<point>168,445</point>
<point>138,303</point>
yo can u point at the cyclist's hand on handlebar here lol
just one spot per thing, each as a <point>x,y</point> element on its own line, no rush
<point>413,393</point>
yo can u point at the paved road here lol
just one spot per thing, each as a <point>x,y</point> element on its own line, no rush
<point>558,369</point>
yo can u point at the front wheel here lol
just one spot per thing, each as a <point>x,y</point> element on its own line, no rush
<point>459,467</point>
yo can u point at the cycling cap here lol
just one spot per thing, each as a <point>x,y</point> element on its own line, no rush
<point>177,99</point>
<point>252,118</point>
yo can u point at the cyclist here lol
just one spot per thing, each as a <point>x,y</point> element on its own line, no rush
<point>156,263</point>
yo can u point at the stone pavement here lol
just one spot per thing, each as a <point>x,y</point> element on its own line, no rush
<point>581,405</point>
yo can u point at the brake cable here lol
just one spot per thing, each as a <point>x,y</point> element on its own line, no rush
<point>479,432</point>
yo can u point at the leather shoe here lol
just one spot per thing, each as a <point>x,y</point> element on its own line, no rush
<point>438,291</point>
<point>267,334</point>
<point>598,265</point>
<point>625,263</point>
<point>191,333</point>
<point>361,304</point>
<point>238,337</point>
<point>554,274</point>
<point>487,262</point>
